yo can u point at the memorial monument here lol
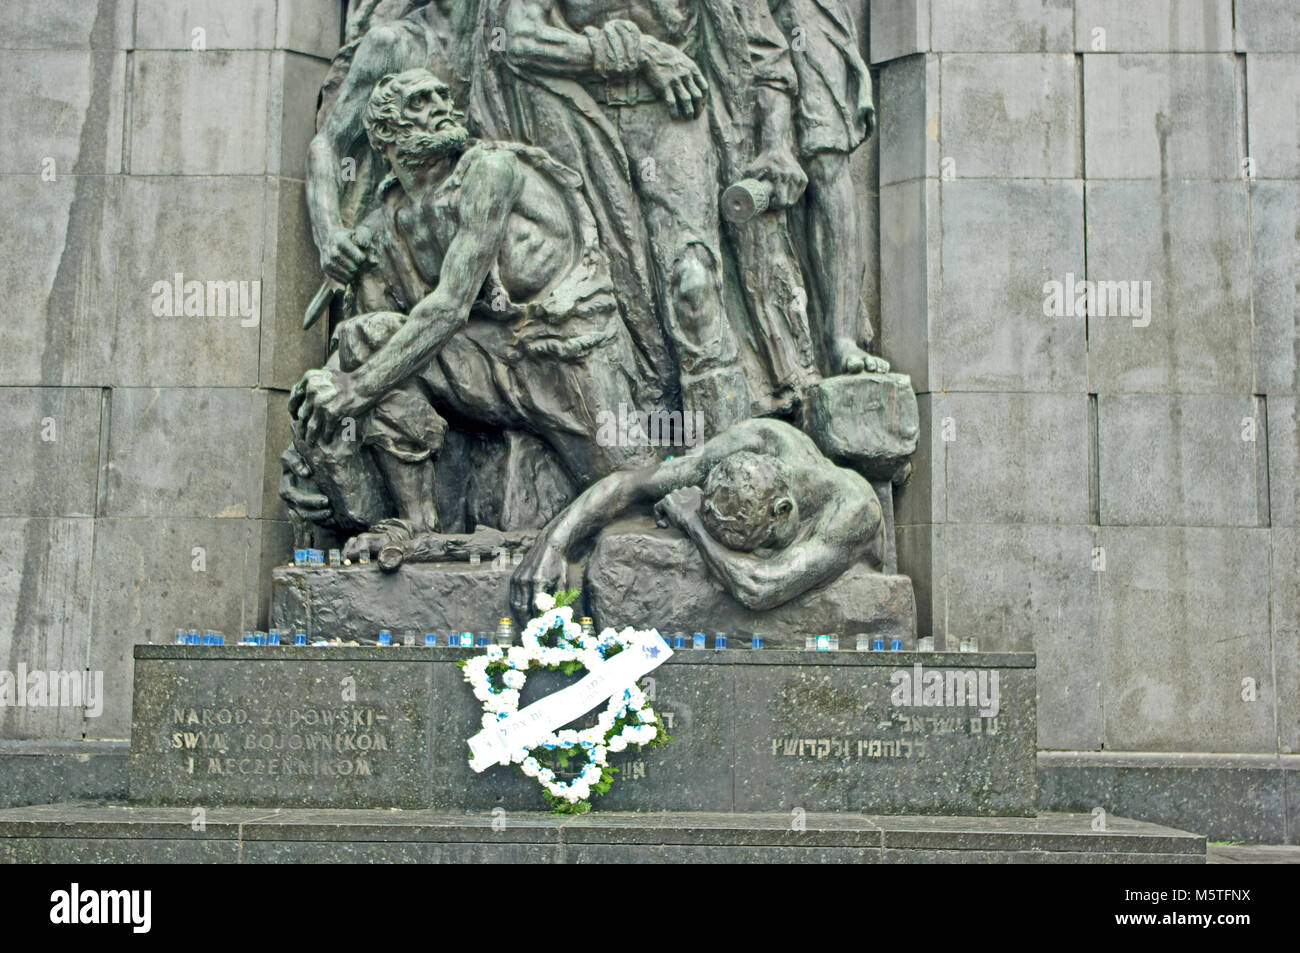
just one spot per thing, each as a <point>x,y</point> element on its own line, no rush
<point>592,275</point>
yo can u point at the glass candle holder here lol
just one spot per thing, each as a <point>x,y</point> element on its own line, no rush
<point>385,637</point>
<point>300,638</point>
<point>720,640</point>
<point>698,641</point>
<point>755,641</point>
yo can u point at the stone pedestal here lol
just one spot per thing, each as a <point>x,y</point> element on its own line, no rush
<point>647,577</point>
<point>755,731</point>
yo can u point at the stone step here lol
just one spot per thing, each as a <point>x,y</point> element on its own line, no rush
<point>86,833</point>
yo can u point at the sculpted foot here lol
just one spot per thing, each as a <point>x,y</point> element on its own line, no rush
<point>847,358</point>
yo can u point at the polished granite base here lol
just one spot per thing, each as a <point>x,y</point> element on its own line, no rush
<point>96,833</point>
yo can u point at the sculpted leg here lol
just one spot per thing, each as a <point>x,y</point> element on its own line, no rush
<point>837,266</point>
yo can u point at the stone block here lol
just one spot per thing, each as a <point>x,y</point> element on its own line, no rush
<point>1267,26</point>
<point>46,772</point>
<point>1011,116</point>
<point>147,585</point>
<point>1225,797</point>
<point>920,549</point>
<point>1181,460</point>
<point>656,578</point>
<point>1283,461</point>
<point>1015,458</point>
<point>275,550</point>
<point>51,436</point>
<point>1275,276</point>
<point>278,735</point>
<point>908,103</point>
<point>1273,105</point>
<point>185,452</point>
<point>1032,588</point>
<point>45,617</point>
<point>200,113</point>
<point>821,732</point>
<point>157,342</point>
<point>59,266</point>
<point>278,438</point>
<point>1184,619</point>
<point>865,421</point>
<point>1189,241</point>
<point>1002,242</point>
<point>919,499</point>
<point>313,27</point>
<point>898,28</point>
<point>356,602</point>
<point>806,727</point>
<point>68,24</point>
<point>910,277</point>
<point>996,26</point>
<point>1161,116</point>
<point>64,108</point>
<point>1285,595</point>
<point>1157,26</point>
<point>295,88</point>
<point>226,25</point>
<point>287,351</point>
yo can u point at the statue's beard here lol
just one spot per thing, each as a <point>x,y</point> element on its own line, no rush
<point>420,150</point>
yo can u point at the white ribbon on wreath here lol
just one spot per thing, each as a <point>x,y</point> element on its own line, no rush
<point>508,738</point>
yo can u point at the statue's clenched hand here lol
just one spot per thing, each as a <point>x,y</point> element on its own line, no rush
<point>296,489</point>
<point>680,508</point>
<point>780,169</point>
<point>343,254</point>
<point>321,401</point>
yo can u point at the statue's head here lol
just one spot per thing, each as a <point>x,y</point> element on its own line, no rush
<point>747,503</point>
<point>411,119</point>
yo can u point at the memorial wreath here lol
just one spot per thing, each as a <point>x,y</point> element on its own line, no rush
<point>627,720</point>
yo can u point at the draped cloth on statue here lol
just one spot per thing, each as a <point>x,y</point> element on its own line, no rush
<point>762,283</point>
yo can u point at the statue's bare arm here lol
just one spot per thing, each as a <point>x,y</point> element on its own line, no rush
<point>325,397</point>
<point>838,538</point>
<point>487,197</point>
<point>385,49</point>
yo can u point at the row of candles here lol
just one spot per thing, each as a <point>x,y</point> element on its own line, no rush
<point>505,635</point>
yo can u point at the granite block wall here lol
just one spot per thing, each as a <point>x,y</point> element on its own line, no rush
<point>1115,491</point>
<point>147,139</point>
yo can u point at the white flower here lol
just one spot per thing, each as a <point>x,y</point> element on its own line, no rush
<point>509,699</point>
<point>617,743</point>
<point>514,679</point>
<point>530,767</point>
<point>544,602</point>
<point>494,653</point>
<point>489,720</point>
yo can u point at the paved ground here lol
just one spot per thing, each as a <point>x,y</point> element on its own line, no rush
<point>1251,854</point>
